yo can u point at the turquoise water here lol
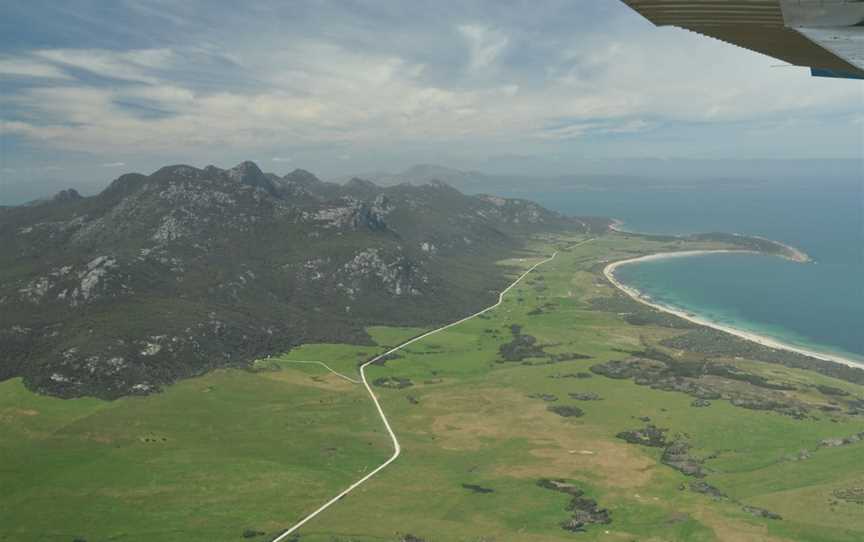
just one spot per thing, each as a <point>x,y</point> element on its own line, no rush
<point>819,305</point>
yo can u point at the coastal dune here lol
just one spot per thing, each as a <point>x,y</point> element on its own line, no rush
<point>636,295</point>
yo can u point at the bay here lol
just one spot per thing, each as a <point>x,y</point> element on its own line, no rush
<point>819,305</point>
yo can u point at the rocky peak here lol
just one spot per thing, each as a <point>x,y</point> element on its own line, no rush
<point>250,174</point>
<point>301,177</point>
<point>361,188</point>
<point>357,182</point>
<point>245,172</point>
<point>179,171</point>
<point>70,194</point>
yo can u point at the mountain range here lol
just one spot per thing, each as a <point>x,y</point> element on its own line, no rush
<point>169,275</point>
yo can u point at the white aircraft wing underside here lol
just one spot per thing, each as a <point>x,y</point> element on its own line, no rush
<point>825,35</point>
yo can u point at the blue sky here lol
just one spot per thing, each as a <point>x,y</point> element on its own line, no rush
<point>91,89</point>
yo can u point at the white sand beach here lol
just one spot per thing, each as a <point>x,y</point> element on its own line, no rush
<point>609,272</point>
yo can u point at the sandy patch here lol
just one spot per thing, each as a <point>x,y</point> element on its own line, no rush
<point>501,415</point>
<point>728,530</point>
<point>11,414</point>
<point>323,381</point>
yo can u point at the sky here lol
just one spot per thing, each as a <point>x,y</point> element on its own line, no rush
<point>93,89</point>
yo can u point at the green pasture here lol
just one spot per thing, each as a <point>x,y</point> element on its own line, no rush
<point>236,450</point>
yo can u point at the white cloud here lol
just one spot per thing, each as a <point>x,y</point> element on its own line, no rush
<point>23,67</point>
<point>314,91</point>
<point>134,65</point>
<point>629,127</point>
<point>566,132</point>
<point>484,44</point>
<point>579,129</point>
<point>114,164</point>
<point>282,159</point>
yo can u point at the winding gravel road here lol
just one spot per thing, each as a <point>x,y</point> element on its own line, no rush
<point>397,448</point>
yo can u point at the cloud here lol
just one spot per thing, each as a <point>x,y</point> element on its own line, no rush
<point>633,126</point>
<point>575,130</point>
<point>484,44</point>
<point>114,164</point>
<point>134,65</point>
<point>392,79</point>
<point>570,131</point>
<point>25,67</point>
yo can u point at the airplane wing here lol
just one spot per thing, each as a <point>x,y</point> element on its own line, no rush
<point>825,35</point>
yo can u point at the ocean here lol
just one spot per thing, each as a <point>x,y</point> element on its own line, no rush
<point>819,306</point>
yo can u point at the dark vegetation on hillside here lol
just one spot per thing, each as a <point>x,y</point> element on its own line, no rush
<point>676,455</point>
<point>715,343</point>
<point>583,510</point>
<point>566,411</point>
<point>170,275</point>
<point>523,347</point>
<point>709,379</point>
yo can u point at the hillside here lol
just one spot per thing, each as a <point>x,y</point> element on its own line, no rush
<point>170,275</point>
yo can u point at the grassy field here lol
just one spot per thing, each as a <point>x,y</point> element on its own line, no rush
<point>254,451</point>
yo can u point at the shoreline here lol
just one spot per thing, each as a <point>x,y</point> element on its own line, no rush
<point>636,295</point>
<point>791,253</point>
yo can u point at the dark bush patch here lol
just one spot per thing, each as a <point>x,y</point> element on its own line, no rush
<point>654,353</point>
<point>677,456</point>
<point>567,411</point>
<point>548,397</point>
<point>701,486</point>
<point>760,512</point>
<point>688,377</point>
<point>393,382</point>
<point>733,373</point>
<point>716,343</point>
<point>584,511</point>
<point>568,356</point>
<point>383,361</point>
<point>478,489</point>
<point>650,435</point>
<point>521,347</point>
<point>586,396</point>
<point>831,390</point>
<point>623,369</point>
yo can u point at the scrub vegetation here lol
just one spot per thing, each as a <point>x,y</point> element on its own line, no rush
<point>669,443</point>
